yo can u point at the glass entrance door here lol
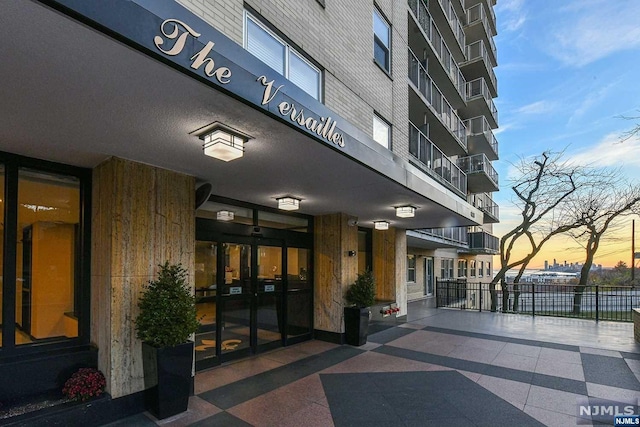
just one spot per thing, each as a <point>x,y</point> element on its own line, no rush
<point>239,296</point>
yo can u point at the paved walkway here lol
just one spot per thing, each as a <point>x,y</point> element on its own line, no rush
<point>441,367</point>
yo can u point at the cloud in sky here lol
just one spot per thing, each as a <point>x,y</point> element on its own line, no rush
<point>588,34</point>
<point>610,152</point>
<point>538,107</point>
<point>515,14</point>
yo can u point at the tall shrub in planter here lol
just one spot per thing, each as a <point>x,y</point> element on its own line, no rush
<point>167,318</point>
<point>360,296</point>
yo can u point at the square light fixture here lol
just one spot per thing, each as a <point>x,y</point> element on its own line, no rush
<point>405,211</point>
<point>222,142</point>
<point>288,203</point>
<point>225,216</point>
<point>381,225</point>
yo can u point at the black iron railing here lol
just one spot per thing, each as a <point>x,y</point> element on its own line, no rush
<point>594,302</point>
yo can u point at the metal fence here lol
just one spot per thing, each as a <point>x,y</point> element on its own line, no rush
<point>542,299</point>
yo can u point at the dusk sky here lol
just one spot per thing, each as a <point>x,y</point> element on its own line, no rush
<point>567,70</point>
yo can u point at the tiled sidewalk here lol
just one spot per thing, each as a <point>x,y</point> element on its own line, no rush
<point>442,367</point>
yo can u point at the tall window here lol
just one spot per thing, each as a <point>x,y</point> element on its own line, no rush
<point>381,131</point>
<point>472,268</point>
<point>488,269</point>
<point>481,269</point>
<point>44,237</point>
<point>462,268</point>
<point>446,268</point>
<point>411,268</point>
<point>279,55</point>
<point>381,41</point>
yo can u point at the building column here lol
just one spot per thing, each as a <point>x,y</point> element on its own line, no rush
<point>142,216</point>
<point>334,271</point>
<point>390,266</point>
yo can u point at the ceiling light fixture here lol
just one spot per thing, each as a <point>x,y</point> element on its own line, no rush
<point>288,203</point>
<point>225,216</point>
<point>222,142</point>
<point>405,211</point>
<point>381,225</point>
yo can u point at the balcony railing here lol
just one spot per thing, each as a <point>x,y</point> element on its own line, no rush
<point>484,242</point>
<point>435,161</point>
<point>454,22</point>
<point>434,37</point>
<point>420,78</point>
<point>476,14</point>
<point>478,87</point>
<point>478,163</point>
<point>477,50</point>
<point>480,126</point>
<point>458,235</point>
<point>485,203</point>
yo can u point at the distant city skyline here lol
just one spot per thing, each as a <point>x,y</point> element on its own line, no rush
<point>567,74</point>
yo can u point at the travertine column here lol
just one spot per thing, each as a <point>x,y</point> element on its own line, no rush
<point>141,217</point>
<point>389,266</point>
<point>334,269</point>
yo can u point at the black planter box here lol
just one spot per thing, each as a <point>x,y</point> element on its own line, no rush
<point>356,325</point>
<point>167,378</point>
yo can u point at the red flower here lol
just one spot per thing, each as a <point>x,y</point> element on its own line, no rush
<point>85,383</point>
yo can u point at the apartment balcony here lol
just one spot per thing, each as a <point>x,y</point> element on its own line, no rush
<point>481,176</point>
<point>479,28</point>
<point>426,100</point>
<point>485,203</point>
<point>488,6</point>
<point>424,36</point>
<point>478,65</point>
<point>481,242</point>
<point>434,238</point>
<point>428,157</point>
<point>480,102</point>
<point>480,138</point>
<point>444,14</point>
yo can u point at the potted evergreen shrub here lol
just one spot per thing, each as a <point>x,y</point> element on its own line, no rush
<point>360,295</point>
<point>167,319</point>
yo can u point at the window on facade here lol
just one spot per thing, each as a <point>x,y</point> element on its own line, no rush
<point>488,269</point>
<point>411,268</point>
<point>472,268</point>
<point>47,253</point>
<point>381,41</point>
<point>381,131</point>
<point>462,268</point>
<point>446,268</point>
<point>481,269</point>
<point>280,56</point>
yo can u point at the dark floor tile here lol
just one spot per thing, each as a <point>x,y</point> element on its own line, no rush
<point>503,339</point>
<point>389,335</point>
<point>628,355</point>
<point>417,398</point>
<point>557,383</point>
<point>611,371</point>
<point>222,419</point>
<point>240,391</point>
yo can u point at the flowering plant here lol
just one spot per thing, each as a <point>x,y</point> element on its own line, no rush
<point>84,384</point>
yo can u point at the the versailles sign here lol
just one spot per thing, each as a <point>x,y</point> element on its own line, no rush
<point>179,32</point>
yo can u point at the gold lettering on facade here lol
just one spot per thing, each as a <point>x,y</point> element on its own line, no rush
<point>222,74</point>
<point>324,128</point>
<point>181,38</point>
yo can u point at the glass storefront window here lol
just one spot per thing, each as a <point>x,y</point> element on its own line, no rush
<point>205,290</point>
<point>299,292</point>
<point>1,251</point>
<point>47,254</point>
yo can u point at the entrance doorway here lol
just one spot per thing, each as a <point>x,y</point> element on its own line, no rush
<point>253,294</point>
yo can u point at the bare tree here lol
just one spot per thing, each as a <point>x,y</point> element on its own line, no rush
<point>634,131</point>
<point>596,207</point>
<point>542,187</point>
